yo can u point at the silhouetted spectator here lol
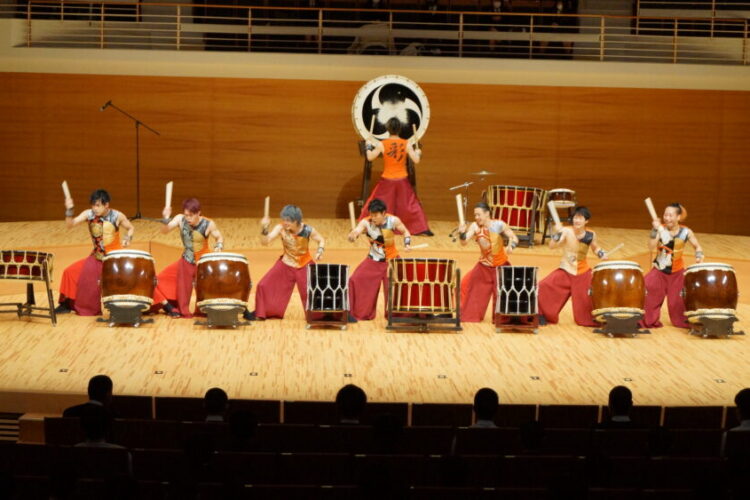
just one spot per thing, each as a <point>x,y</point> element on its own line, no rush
<point>215,402</point>
<point>620,404</point>
<point>242,425</point>
<point>485,408</point>
<point>100,395</point>
<point>350,401</point>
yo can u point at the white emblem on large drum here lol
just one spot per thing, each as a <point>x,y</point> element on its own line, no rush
<point>386,97</point>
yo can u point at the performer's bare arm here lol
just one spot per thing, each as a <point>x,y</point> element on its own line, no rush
<point>653,240</point>
<point>213,231</point>
<point>414,153</point>
<point>698,249</point>
<point>375,151</point>
<point>316,236</point>
<point>512,239</point>
<point>559,234</point>
<point>268,238</point>
<point>399,226</point>
<point>123,222</point>
<point>172,224</point>
<point>468,233</point>
<point>71,221</point>
<point>361,227</point>
<point>598,251</point>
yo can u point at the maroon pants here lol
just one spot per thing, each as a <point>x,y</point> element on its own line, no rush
<point>477,286</point>
<point>81,285</point>
<point>276,287</point>
<point>401,200</point>
<point>557,288</point>
<point>660,285</point>
<point>364,285</point>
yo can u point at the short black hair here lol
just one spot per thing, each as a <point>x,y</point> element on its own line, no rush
<point>215,401</point>
<point>485,403</point>
<point>100,388</point>
<point>484,206</point>
<point>351,401</point>
<point>100,195</point>
<point>376,205</point>
<point>393,126</point>
<point>582,211</point>
<point>620,400</point>
<point>742,400</point>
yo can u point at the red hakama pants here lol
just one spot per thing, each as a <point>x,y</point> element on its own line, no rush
<point>364,286</point>
<point>276,287</point>
<point>400,200</point>
<point>558,287</point>
<point>477,286</point>
<point>175,285</point>
<point>81,285</point>
<point>658,286</point>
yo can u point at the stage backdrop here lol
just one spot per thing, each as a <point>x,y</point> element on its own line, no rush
<point>230,142</point>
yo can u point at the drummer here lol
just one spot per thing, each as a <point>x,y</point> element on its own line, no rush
<point>668,272</point>
<point>573,278</point>
<point>80,288</point>
<point>480,283</point>
<point>174,286</point>
<point>275,288</point>
<point>394,188</point>
<point>364,284</point>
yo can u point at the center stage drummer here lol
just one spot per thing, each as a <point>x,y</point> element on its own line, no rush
<point>364,284</point>
<point>175,283</point>
<point>667,276</point>
<point>275,288</point>
<point>480,283</point>
<point>80,288</point>
<point>573,278</point>
<point>394,188</point>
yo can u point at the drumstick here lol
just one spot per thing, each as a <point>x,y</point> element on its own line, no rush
<point>414,134</point>
<point>553,212</point>
<point>651,209</point>
<point>266,207</point>
<point>421,245</point>
<point>168,194</point>
<point>372,124</point>
<point>616,248</point>
<point>66,191</point>
<point>460,208</point>
<point>352,219</point>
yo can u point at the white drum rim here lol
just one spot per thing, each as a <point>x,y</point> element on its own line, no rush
<point>617,264</point>
<point>214,256</point>
<point>137,254</point>
<point>709,266</point>
<point>420,259</point>
<point>561,190</point>
<point>219,303</point>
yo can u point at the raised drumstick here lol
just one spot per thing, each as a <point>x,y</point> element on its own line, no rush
<point>372,125</point>
<point>651,209</point>
<point>266,207</point>
<point>168,194</point>
<point>616,248</point>
<point>66,191</point>
<point>414,134</point>
<point>352,218</point>
<point>460,208</point>
<point>553,212</point>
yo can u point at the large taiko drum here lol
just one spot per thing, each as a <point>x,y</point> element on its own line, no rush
<point>516,205</point>
<point>618,290</point>
<point>327,288</point>
<point>25,265</point>
<point>222,281</point>
<point>710,291</point>
<point>128,279</point>
<point>423,285</point>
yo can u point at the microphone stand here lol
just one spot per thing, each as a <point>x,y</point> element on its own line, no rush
<point>138,124</point>
<point>464,200</point>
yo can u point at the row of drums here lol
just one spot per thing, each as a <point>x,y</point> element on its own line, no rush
<point>618,289</point>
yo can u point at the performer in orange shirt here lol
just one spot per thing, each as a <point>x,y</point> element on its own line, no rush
<point>667,276</point>
<point>275,288</point>
<point>174,286</point>
<point>394,188</point>
<point>80,290</point>
<point>364,284</point>
<point>573,278</point>
<point>480,283</point>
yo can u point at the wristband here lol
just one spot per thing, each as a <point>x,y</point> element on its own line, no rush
<point>654,233</point>
<point>407,240</point>
<point>320,251</point>
<point>219,246</point>
<point>699,255</point>
<point>513,245</point>
<point>127,239</point>
<point>557,236</point>
<point>69,212</point>
<point>600,253</point>
<point>264,231</point>
<point>462,236</point>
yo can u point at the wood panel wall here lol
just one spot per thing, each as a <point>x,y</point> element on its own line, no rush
<point>233,141</point>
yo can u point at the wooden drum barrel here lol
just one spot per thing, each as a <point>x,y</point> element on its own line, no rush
<point>128,278</point>
<point>617,288</point>
<point>710,291</point>
<point>222,280</point>
<point>423,285</point>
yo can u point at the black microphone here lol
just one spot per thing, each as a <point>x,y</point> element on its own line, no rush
<point>106,105</point>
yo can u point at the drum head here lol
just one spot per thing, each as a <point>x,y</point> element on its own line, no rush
<point>709,266</point>
<point>214,256</point>
<point>125,253</point>
<point>617,264</point>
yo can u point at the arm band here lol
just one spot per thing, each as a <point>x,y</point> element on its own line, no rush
<point>600,253</point>
<point>69,212</point>
<point>654,233</point>
<point>513,245</point>
<point>699,255</point>
<point>407,241</point>
<point>219,246</point>
<point>264,231</point>
<point>320,251</point>
<point>557,236</point>
<point>462,236</point>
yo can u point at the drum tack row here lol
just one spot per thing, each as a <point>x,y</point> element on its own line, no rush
<point>424,294</point>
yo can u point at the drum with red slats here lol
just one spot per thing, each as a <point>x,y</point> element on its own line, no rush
<point>423,285</point>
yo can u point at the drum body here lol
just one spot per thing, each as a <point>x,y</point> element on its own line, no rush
<point>563,198</point>
<point>710,291</point>
<point>222,280</point>
<point>422,285</point>
<point>327,288</point>
<point>516,205</point>
<point>25,265</point>
<point>128,278</point>
<point>516,291</point>
<point>618,289</point>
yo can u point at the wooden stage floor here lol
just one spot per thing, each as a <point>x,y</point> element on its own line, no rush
<point>564,364</point>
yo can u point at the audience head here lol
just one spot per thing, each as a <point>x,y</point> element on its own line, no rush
<point>485,404</point>
<point>620,401</point>
<point>215,401</point>
<point>742,400</point>
<point>351,401</point>
<point>100,389</point>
